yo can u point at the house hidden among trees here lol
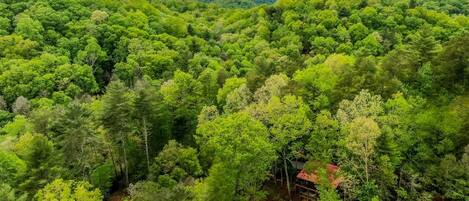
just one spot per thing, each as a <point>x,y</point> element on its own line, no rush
<point>183,100</point>
<point>308,178</point>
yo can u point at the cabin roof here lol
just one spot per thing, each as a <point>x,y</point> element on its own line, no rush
<point>313,176</point>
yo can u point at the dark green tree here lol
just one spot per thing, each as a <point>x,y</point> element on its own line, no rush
<point>116,116</point>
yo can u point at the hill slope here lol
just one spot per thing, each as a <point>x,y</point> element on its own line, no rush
<point>239,3</point>
<point>183,100</point>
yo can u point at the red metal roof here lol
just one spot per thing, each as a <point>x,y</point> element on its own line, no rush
<point>313,177</point>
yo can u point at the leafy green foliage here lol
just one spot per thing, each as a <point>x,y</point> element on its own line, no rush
<point>103,176</point>
<point>326,191</point>
<point>12,168</point>
<point>149,191</point>
<point>239,3</point>
<point>68,190</point>
<point>10,194</point>
<point>241,155</point>
<point>176,162</point>
<point>207,100</point>
<point>42,161</point>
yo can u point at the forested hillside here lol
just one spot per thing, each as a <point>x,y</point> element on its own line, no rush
<point>184,100</point>
<point>239,3</point>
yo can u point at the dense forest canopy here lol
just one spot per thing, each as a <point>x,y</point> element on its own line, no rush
<point>239,3</point>
<point>188,100</point>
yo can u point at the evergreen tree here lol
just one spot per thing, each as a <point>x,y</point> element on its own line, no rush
<point>116,117</point>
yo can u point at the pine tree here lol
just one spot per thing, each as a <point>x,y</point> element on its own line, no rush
<point>116,117</point>
<point>77,138</point>
<point>151,114</point>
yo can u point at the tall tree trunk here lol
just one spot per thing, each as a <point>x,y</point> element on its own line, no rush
<point>281,176</point>
<point>112,159</point>
<point>275,173</point>
<point>286,174</point>
<point>145,133</point>
<point>126,164</point>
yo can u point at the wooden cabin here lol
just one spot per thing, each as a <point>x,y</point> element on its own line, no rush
<point>305,184</point>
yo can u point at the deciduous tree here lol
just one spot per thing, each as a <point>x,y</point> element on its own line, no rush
<point>242,155</point>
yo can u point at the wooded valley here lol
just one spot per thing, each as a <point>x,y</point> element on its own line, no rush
<point>234,100</point>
